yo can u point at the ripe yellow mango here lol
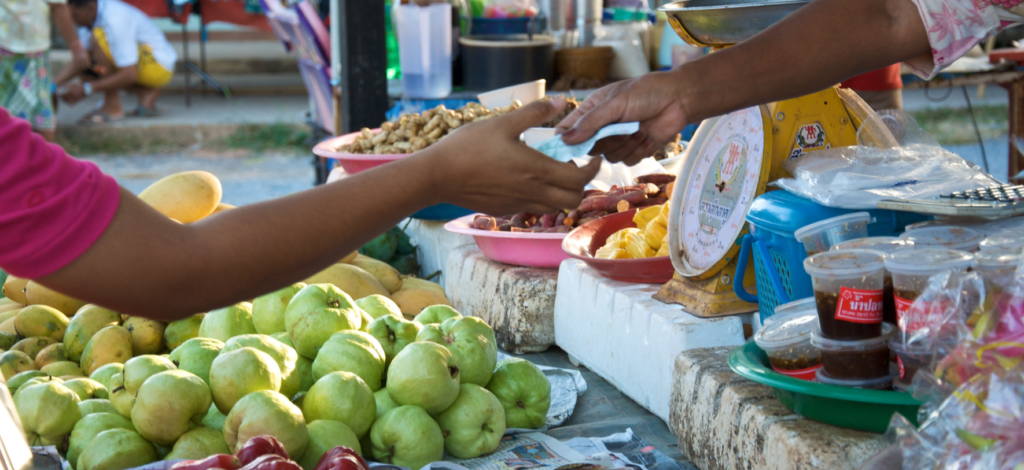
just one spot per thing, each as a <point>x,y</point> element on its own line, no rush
<point>41,320</point>
<point>413,300</point>
<point>415,282</point>
<point>352,280</point>
<point>8,326</point>
<point>222,207</point>
<point>8,306</point>
<point>388,276</point>
<point>32,346</point>
<point>85,323</point>
<point>8,314</point>
<point>147,335</point>
<point>112,344</point>
<point>349,257</point>
<point>38,294</point>
<point>14,289</point>
<point>186,197</point>
<point>50,354</point>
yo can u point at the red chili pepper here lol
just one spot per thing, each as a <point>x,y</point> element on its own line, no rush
<point>272,462</point>
<point>260,445</point>
<point>224,461</point>
<point>341,458</point>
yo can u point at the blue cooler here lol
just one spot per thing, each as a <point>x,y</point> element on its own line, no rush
<point>779,256</point>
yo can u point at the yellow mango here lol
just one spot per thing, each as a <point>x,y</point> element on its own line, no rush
<point>8,326</point>
<point>9,307</point>
<point>415,282</point>
<point>413,300</point>
<point>38,294</point>
<point>645,215</point>
<point>147,335</point>
<point>14,289</point>
<point>352,280</point>
<point>41,320</point>
<point>388,276</point>
<point>636,245</point>
<point>49,354</point>
<point>655,233</point>
<point>186,197</point>
<point>6,315</point>
<point>112,344</point>
<point>221,207</point>
<point>349,257</point>
<point>33,346</point>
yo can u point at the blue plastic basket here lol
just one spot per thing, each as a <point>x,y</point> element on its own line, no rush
<point>779,256</point>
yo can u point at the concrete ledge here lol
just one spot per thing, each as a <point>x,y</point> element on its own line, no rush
<point>724,421</point>
<point>519,303</point>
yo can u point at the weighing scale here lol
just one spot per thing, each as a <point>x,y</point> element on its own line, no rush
<point>732,159</point>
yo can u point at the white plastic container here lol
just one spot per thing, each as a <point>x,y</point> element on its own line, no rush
<point>911,270</point>
<point>1003,243</point>
<point>820,236</point>
<point>526,93</point>
<point>888,246</point>
<point>864,359</point>
<point>848,290</point>
<point>795,307</point>
<point>787,342</point>
<point>953,238</point>
<point>425,48</point>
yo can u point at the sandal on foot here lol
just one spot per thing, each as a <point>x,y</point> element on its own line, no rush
<point>142,111</point>
<point>97,118</point>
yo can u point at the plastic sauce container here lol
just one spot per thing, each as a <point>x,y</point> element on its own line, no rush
<point>881,383</point>
<point>1011,225</point>
<point>909,359</point>
<point>820,236</point>
<point>1003,243</point>
<point>954,238</point>
<point>912,269</point>
<point>887,245</point>
<point>787,341</point>
<point>848,292</point>
<point>855,360</point>
<point>794,307</point>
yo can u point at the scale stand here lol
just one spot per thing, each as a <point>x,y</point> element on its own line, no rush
<point>733,158</point>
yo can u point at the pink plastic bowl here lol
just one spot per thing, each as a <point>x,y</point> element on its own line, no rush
<point>351,162</point>
<point>586,239</point>
<point>533,250</point>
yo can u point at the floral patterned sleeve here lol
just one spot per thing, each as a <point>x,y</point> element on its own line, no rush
<point>955,26</point>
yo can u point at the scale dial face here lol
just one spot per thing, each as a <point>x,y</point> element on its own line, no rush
<point>724,178</point>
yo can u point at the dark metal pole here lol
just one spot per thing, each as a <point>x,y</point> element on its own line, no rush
<point>364,85</point>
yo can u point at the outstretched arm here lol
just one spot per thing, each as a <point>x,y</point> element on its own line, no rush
<point>816,47</point>
<point>146,264</point>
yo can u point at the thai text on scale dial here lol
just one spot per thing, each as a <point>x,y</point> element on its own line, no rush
<point>724,178</point>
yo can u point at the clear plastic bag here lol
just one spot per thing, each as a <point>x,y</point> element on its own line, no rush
<point>973,417</point>
<point>894,159</point>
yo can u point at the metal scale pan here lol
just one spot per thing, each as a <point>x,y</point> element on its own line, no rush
<point>725,22</point>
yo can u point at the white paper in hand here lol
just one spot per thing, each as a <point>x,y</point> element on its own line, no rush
<point>555,148</point>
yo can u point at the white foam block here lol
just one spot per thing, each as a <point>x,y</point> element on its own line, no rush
<point>619,331</point>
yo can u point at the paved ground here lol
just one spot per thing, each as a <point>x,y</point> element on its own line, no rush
<point>205,110</point>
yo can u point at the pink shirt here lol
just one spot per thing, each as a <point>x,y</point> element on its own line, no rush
<point>52,207</point>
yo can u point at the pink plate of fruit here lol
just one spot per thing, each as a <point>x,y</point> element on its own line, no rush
<point>535,248</point>
<point>352,162</point>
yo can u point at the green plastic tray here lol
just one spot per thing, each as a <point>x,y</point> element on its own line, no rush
<point>853,408</point>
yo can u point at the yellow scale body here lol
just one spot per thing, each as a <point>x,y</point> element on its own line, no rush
<point>829,118</point>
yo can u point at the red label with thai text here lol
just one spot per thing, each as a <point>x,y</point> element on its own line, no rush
<point>859,305</point>
<point>802,374</point>
<point>927,314</point>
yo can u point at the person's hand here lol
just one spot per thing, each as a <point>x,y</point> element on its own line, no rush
<point>73,93</point>
<point>652,99</point>
<point>79,57</point>
<point>484,166</point>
